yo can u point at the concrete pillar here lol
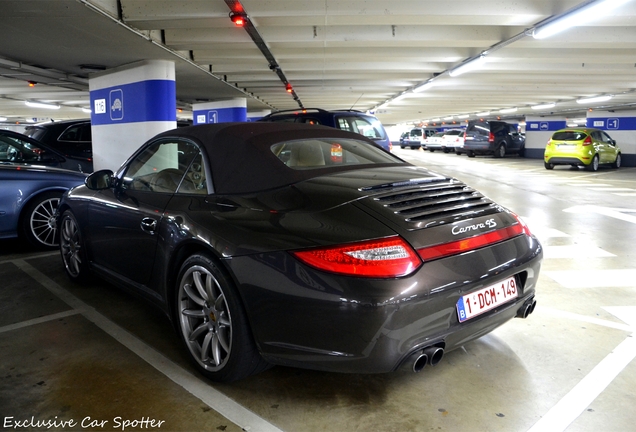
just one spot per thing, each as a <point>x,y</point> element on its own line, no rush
<point>225,111</point>
<point>538,131</point>
<point>130,104</point>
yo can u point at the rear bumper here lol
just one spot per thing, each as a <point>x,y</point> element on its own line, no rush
<point>302,317</point>
<point>566,161</point>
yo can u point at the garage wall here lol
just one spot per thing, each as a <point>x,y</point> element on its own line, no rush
<point>621,126</point>
<point>538,131</point>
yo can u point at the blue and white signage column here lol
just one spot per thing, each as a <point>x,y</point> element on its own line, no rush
<point>539,130</point>
<point>621,126</point>
<point>130,104</point>
<point>225,111</point>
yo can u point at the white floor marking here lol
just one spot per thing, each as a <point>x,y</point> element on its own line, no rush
<point>611,189</point>
<point>570,407</point>
<point>575,251</point>
<point>216,400</point>
<point>615,213</point>
<point>577,279</point>
<point>625,194</point>
<point>39,320</point>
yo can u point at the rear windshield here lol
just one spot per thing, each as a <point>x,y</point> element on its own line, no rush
<point>454,132</point>
<point>317,153</point>
<point>369,127</point>
<point>569,136</point>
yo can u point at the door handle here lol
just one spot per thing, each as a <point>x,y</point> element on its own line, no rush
<point>149,225</point>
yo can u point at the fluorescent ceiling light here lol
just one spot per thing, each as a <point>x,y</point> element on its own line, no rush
<point>463,116</point>
<point>3,119</point>
<point>576,18</point>
<point>86,110</point>
<point>595,99</point>
<point>543,106</point>
<point>41,105</point>
<point>483,114</point>
<point>508,110</point>
<point>435,120</point>
<point>420,88</point>
<point>448,118</point>
<point>468,66</point>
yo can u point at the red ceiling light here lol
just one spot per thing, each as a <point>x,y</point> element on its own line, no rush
<point>238,19</point>
<point>32,83</point>
<point>288,88</point>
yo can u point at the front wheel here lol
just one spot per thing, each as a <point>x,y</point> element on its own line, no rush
<point>617,162</point>
<point>72,248</point>
<point>594,165</point>
<point>212,323</point>
<point>38,220</point>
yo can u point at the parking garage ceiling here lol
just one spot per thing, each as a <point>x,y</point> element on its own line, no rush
<point>336,54</point>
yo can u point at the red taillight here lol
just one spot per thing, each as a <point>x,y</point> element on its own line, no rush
<point>465,245</point>
<point>382,258</point>
<point>491,137</point>
<point>587,141</point>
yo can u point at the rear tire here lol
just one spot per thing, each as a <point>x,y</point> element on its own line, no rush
<point>594,165</point>
<point>617,162</point>
<point>212,323</point>
<point>470,153</point>
<point>548,166</point>
<point>501,151</point>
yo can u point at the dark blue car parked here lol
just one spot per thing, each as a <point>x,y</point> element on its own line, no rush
<point>29,197</point>
<point>348,120</point>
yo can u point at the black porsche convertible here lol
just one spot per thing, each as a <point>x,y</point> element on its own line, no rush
<point>298,245</point>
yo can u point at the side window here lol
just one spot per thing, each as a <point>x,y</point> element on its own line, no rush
<point>85,132</point>
<point>195,181</point>
<point>160,167</point>
<point>72,133</point>
<point>606,138</point>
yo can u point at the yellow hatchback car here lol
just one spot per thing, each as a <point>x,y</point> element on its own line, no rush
<point>586,147</point>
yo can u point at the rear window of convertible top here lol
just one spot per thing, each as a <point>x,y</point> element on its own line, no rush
<point>316,153</point>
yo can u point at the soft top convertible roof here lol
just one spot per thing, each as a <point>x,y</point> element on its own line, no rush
<point>241,158</point>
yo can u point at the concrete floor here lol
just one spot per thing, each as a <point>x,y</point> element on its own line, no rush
<point>94,358</point>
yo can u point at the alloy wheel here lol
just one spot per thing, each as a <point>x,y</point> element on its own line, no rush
<point>71,246</point>
<point>42,222</point>
<point>204,318</point>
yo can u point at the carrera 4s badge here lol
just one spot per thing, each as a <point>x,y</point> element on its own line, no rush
<point>489,224</point>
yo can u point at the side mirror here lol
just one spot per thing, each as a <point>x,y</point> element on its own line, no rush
<point>99,180</point>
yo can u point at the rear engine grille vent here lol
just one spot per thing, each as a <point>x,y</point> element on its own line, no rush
<point>434,202</point>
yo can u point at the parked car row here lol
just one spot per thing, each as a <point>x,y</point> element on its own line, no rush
<point>576,147</point>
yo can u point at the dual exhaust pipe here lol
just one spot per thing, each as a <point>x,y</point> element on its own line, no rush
<point>432,355</point>
<point>428,356</point>
<point>527,308</point>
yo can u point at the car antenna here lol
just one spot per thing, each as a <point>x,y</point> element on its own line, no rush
<point>354,104</point>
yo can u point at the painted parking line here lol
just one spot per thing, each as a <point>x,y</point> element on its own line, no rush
<point>216,400</point>
<point>572,405</point>
<point>577,279</point>
<point>39,320</point>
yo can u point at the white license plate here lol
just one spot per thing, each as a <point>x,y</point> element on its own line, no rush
<point>485,299</point>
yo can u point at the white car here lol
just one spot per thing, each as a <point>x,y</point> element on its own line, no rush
<point>446,141</point>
